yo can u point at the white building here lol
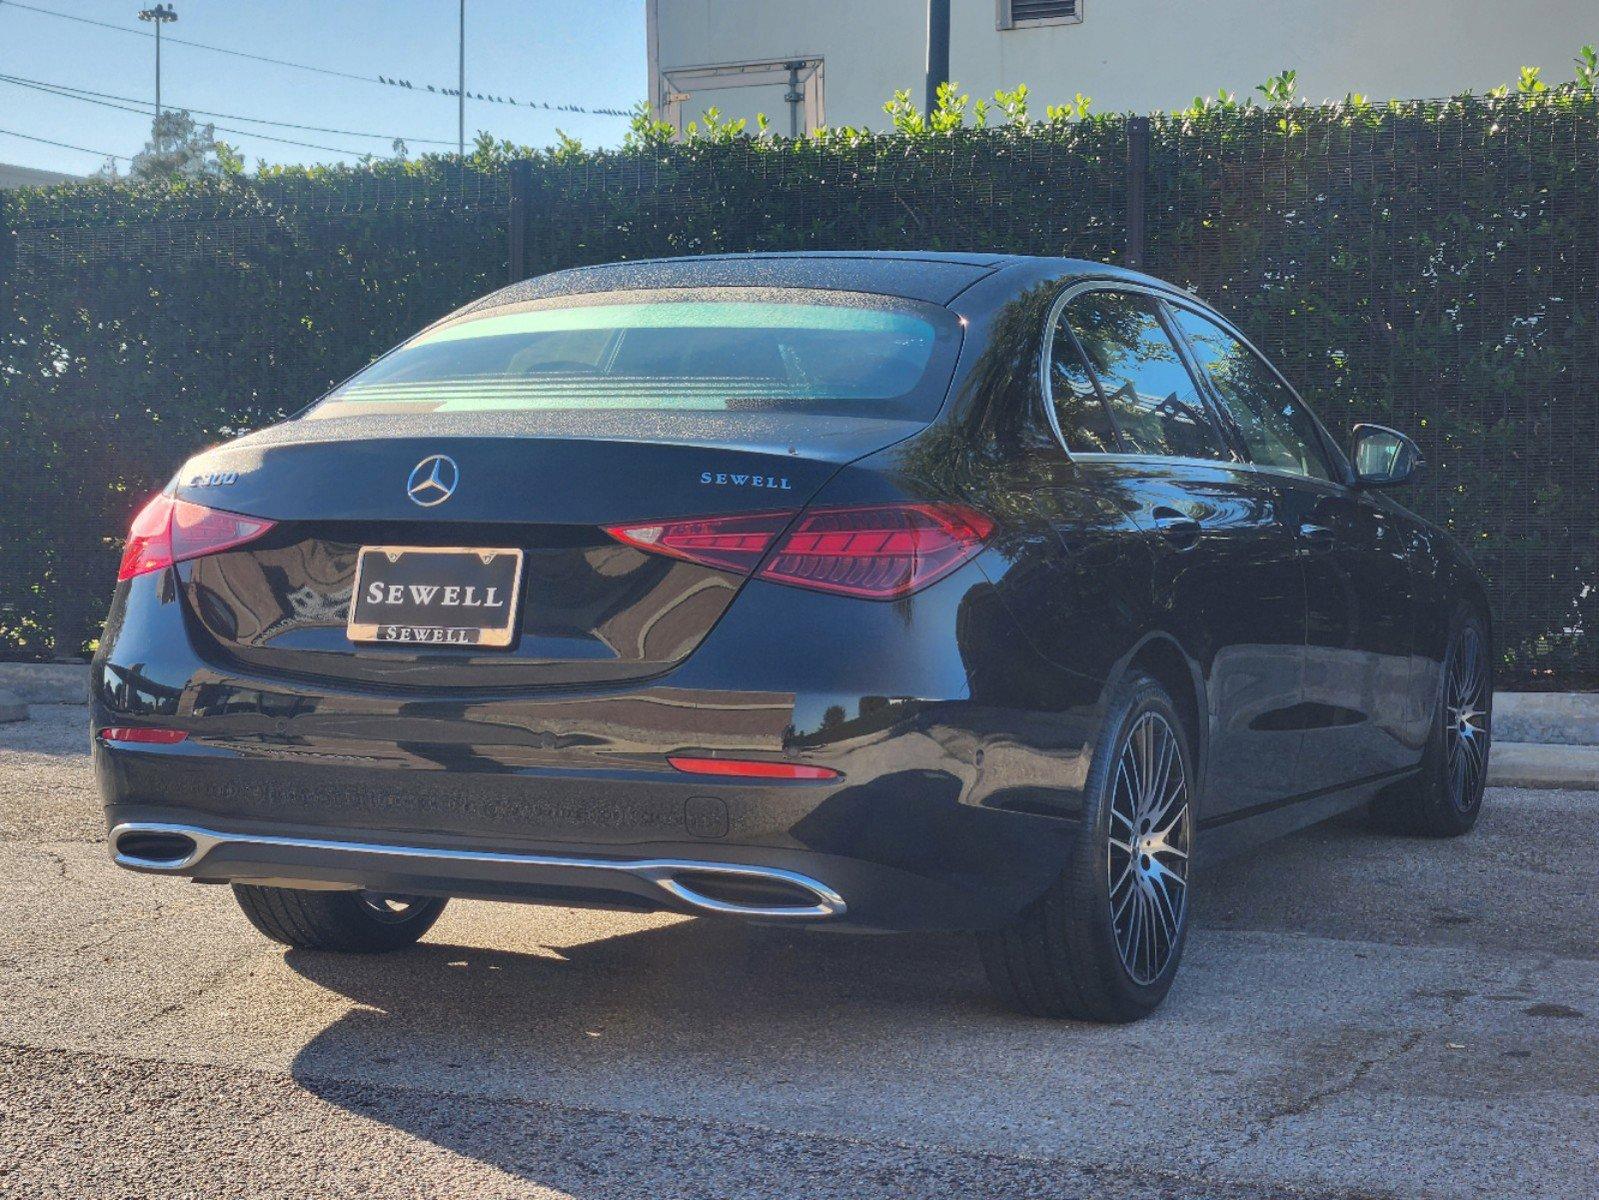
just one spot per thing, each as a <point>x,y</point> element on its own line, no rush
<point>12,176</point>
<point>845,57</point>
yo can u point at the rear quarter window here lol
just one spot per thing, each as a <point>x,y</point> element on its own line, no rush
<point>1153,400</point>
<point>1079,412</point>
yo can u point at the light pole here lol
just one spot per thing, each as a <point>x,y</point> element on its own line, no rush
<point>160,15</point>
<point>937,50</point>
<point>460,95</point>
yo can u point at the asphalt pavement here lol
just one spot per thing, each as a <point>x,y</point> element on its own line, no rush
<point>1358,1015</point>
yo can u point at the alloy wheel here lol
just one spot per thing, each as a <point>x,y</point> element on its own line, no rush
<point>1466,718</point>
<point>1149,843</point>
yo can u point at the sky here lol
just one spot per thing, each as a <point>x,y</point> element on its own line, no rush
<point>578,52</point>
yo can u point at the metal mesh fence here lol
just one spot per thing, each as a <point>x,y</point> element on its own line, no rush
<point>1431,265</point>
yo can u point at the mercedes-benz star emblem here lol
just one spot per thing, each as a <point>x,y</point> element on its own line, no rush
<point>433,480</point>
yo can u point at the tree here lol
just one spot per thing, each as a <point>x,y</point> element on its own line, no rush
<point>180,149</point>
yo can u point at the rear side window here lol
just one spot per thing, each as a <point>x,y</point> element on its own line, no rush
<point>1078,409</point>
<point>708,350</point>
<point>1273,423</point>
<point>1151,395</point>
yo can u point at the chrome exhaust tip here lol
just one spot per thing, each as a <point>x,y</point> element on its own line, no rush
<point>143,847</point>
<point>765,892</point>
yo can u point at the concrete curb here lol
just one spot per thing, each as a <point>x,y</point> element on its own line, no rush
<point>46,682</point>
<point>11,708</point>
<point>1530,765</point>
<point>1548,718</point>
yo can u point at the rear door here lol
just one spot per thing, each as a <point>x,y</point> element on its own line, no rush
<point>1357,567</point>
<point>1226,581</point>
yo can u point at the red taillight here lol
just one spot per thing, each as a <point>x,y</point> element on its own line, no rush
<point>877,552</point>
<point>750,768</point>
<point>168,531</point>
<point>149,545</point>
<point>143,734</point>
<point>732,543</point>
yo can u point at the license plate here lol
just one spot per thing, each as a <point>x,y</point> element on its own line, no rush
<point>435,595</point>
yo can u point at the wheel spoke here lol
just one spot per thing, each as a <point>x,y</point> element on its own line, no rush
<point>1127,873</point>
<point>1146,938</point>
<point>1117,814</point>
<point>1145,766</point>
<point>1163,775</point>
<point>1181,815</point>
<point>1475,764</point>
<point>1134,916</point>
<point>1166,907</point>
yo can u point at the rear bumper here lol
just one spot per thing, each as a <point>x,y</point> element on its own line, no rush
<point>901,851</point>
<point>953,810</point>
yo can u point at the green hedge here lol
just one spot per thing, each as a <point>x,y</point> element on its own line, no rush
<point>1428,264</point>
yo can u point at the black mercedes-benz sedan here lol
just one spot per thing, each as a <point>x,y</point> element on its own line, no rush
<point>859,591</point>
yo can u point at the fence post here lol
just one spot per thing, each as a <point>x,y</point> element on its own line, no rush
<point>1137,190</point>
<point>7,258</point>
<point>521,195</point>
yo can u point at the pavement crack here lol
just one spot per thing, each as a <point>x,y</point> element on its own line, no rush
<point>59,860</point>
<point>1332,1090</point>
<point>1396,1049</point>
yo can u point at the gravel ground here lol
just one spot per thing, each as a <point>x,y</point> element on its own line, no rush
<point>1357,1016</point>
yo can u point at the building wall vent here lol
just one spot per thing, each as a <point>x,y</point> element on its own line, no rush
<point>1015,13</point>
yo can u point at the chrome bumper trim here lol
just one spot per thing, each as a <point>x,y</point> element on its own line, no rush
<point>661,872</point>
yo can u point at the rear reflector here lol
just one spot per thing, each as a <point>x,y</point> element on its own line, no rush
<point>142,734</point>
<point>876,552</point>
<point>749,768</point>
<point>169,530</point>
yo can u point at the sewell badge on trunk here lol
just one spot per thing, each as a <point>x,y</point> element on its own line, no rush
<point>435,595</point>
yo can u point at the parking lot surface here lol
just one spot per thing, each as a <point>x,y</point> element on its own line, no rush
<point>1358,1015</point>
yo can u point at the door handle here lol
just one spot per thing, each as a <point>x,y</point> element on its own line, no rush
<point>1316,537</point>
<point>1182,532</point>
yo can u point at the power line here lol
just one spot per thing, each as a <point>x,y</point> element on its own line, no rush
<point>270,137</point>
<point>28,137</point>
<point>281,62</point>
<point>23,80</point>
<point>380,80</point>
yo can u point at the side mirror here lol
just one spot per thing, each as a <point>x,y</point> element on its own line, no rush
<point>1384,457</point>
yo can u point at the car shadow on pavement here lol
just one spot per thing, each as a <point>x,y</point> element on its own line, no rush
<point>501,1055</point>
<point>505,1056</point>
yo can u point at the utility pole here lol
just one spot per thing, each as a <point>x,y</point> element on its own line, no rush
<point>937,50</point>
<point>160,15</point>
<point>460,102</point>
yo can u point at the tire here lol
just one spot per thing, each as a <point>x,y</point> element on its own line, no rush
<point>353,922</point>
<point>1067,955</point>
<point>1444,798</point>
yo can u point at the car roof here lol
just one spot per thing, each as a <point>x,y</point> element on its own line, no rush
<point>933,276</point>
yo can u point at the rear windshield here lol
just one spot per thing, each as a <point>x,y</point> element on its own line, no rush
<point>717,350</point>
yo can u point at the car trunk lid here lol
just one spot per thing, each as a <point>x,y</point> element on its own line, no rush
<point>590,609</point>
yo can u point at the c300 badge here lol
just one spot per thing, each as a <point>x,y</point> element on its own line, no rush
<point>214,479</point>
